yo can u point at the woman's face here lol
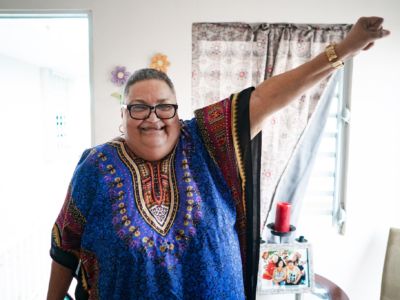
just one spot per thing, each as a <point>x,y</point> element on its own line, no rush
<point>153,138</point>
<point>290,265</point>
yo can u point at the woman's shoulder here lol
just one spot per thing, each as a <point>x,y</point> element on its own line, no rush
<point>108,146</point>
<point>101,149</point>
<point>90,157</point>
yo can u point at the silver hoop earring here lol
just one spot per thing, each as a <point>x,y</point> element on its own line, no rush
<point>121,129</point>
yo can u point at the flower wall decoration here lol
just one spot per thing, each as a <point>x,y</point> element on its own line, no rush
<point>160,62</point>
<point>119,76</point>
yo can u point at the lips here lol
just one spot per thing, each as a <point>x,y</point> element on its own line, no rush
<point>152,128</point>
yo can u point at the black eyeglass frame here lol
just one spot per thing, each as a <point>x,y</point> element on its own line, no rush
<point>151,108</point>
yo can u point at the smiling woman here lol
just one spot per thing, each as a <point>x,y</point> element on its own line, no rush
<point>170,210</point>
<point>159,201</point>
<point>150,137</point>
<point>45,120</point>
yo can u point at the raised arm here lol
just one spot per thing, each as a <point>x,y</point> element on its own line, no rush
<point>278,91</point>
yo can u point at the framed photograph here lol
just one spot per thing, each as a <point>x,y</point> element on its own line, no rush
<point>285,268</point>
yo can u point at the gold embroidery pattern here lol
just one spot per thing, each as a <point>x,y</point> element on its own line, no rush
<point>155,189</point>
<point>239,155</point>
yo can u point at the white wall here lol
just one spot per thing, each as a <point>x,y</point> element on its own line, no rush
<point>129,32</point>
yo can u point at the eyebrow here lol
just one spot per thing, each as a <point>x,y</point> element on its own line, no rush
<point>141,101</point>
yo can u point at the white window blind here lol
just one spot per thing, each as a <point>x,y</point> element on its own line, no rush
<point>325,193</point>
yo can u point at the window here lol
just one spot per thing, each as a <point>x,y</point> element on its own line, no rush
<point>326,192</point>
<point>45,121</point>
<point>224,52</point>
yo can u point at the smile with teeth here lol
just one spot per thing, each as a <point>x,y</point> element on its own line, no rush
<point>152,128</point>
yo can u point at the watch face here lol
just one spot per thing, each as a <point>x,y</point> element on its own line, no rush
<point>331,53</point>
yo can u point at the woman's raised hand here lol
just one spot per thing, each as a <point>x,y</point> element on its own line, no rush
<point>363,35</point>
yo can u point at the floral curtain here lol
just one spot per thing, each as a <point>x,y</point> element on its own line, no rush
<point>228,57</point>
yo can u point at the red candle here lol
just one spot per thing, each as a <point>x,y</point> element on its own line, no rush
<point>282,217</point>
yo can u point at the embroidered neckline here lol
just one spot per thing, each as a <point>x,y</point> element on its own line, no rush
<point>155,188</point>
<point>165,250</point>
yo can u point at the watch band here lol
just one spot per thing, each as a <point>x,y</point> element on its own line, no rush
<point>333,57</point>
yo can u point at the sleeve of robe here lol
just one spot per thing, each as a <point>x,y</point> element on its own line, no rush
<point>70,223</point>
<point>225,130</point>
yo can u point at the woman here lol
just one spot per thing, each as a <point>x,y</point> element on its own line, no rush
<point>167,211</point>
<point>279,276</point>
<point>270,264</point>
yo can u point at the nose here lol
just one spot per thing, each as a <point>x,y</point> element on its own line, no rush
<point>152,117</point>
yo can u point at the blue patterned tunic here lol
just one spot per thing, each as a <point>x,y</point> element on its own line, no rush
<point>153,230</point>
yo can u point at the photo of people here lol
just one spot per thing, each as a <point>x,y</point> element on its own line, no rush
<point>285,268</point>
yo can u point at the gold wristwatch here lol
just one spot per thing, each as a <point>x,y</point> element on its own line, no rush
<point>333,57</point>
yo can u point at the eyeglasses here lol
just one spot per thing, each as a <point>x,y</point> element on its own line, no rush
<point>143,111</point>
